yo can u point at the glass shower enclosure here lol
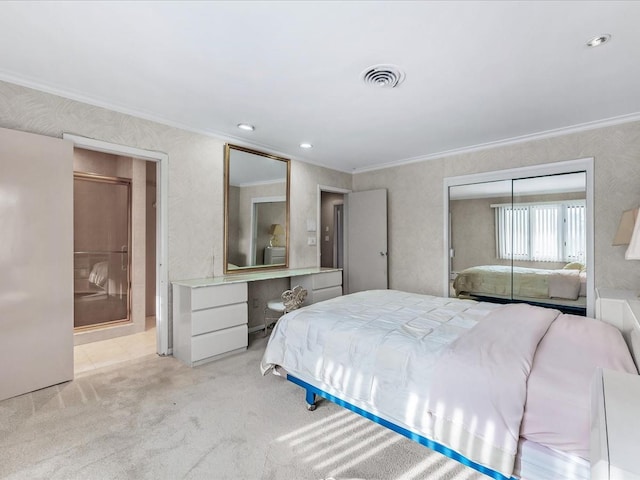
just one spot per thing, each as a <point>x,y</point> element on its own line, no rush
<point>102,242</point>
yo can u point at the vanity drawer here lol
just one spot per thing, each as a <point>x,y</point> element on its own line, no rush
<point>325,280</point>
<point>218,318</point>
<point>214,296</point>
<point>326,294</point>
<point>216,343</point>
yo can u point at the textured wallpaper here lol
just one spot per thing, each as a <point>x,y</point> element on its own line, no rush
<point>415,195</point>
<point>195,174</point>
<point>196,191</point>
<point>416,235</point>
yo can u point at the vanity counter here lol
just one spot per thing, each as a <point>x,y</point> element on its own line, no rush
<point>252,276</point>
<point>210,315</point>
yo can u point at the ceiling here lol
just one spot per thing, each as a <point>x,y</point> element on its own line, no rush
<point>476,73</point>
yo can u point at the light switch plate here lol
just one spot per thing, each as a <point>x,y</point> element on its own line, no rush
<point>311,240</point>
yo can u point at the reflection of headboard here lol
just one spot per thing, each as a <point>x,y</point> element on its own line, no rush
<point>631,329</point>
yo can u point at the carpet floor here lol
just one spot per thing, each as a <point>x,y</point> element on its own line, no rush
<point>155,418</point>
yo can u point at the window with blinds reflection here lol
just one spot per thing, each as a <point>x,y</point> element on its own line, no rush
<point>541,232</point>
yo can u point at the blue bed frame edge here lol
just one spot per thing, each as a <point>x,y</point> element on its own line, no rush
<point>310,398</point>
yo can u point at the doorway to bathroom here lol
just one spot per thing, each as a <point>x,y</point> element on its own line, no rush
<point>153,167</point>
<point>115,261</point>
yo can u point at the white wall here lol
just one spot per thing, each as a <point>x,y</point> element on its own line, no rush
<point>415,199</point>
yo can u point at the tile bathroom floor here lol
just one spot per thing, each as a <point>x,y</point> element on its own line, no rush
<point>91,356</point>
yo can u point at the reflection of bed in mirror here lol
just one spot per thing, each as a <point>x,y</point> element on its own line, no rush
<point>512,234</point>
<point>565,288</point>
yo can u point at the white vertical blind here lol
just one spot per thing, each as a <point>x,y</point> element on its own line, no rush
<point>546,236</point>
<point>512,232</point>
<point>541,232</point>
<point>575,246</point>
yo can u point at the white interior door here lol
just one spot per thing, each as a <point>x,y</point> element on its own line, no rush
<point>36,259</point>
<point>367,240</point>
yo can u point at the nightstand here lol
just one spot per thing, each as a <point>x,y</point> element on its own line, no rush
<point>615,423</point>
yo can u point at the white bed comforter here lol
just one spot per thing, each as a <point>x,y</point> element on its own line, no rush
<point>417,361</point>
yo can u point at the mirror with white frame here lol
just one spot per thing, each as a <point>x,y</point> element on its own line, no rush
<point>256,220</point>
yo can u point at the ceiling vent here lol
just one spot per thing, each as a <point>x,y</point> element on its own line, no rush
<point>383,76</point>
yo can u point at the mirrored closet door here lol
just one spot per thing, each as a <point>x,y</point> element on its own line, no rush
<point>521,240</point>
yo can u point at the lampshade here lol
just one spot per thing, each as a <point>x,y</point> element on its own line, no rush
<point>626,227</point>
<point>276,229</point>
<point>633,251</point>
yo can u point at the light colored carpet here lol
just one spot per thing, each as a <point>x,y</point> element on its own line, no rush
<point>155,418</point>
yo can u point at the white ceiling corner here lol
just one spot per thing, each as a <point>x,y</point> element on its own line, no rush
<point>477,73</point>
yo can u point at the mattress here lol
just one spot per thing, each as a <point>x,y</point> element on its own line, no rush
<point>451,370</point>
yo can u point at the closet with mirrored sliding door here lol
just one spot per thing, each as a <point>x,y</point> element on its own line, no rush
<point>522,235</point>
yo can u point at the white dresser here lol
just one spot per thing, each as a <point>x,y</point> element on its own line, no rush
<point>209,321</point>
<point>615,426</point>
<point>615,396</point>
<point>210,315</point>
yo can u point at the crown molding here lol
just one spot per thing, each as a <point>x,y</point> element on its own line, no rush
<point>608,122</point>
<point>76,96</point>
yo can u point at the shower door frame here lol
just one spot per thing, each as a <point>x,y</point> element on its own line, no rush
<point>93,177</point>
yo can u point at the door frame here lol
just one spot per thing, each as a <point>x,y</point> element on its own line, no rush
<point>345,240</point>
<point>162,235</point>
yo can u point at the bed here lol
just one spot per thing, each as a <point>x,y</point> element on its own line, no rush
<point>565,286</point>
<point>503,389</point>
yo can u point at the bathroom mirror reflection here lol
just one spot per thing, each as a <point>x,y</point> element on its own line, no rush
<point>256,210</point>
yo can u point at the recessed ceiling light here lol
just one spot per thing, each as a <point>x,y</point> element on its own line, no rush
<point>306,145</point>
<point>599,40</point>
<point>246,126</point>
